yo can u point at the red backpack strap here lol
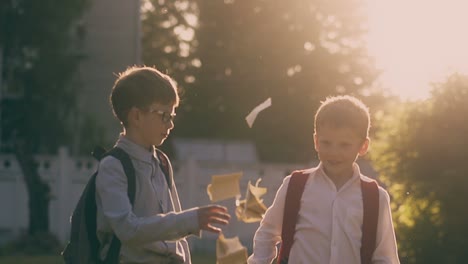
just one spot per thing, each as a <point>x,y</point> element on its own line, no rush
<point>292,205</point>
<point>370,200</point>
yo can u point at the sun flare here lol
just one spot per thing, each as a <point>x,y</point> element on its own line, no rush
<point>416,42</point>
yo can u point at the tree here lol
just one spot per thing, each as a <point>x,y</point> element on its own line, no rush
<point>296,52</point>
<point>39,62</point>
<point>420,151</point>
<point>169,40</point>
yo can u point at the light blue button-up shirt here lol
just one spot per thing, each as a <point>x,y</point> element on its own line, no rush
<point>154,230</point>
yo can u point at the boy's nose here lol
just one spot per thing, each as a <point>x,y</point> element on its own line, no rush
<point>333,151</point>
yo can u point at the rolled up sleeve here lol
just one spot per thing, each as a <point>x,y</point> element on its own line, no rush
<point>268,234</point>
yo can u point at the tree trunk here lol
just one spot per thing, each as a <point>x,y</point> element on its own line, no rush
<point>38,191</point>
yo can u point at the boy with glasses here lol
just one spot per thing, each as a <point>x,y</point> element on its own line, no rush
<point>153,228</point>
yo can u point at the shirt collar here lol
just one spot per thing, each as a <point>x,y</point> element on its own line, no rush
<point>356,171</point>
<point>136,151</point>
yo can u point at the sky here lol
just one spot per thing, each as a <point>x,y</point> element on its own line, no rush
<point>416,42</point>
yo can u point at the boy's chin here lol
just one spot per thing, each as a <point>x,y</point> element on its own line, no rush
<point>333,166</point>
<point>159,143</point>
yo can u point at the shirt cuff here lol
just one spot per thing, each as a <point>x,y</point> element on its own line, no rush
<point>190,222</point>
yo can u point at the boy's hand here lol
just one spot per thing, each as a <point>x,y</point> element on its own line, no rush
<point>212,214</point>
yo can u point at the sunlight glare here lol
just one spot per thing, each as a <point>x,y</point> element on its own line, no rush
<point>416,42</point>
<point>191,19</point>
<point>184,33</point>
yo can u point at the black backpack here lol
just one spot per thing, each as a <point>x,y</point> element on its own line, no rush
<point>83,246</point>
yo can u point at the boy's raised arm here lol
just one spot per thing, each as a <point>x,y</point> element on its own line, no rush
<point>268,234</point>
<point>111,187</point>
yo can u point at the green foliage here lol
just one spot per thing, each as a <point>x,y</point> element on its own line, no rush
<point>90,136</point>
<point>296,52</point>
<point>174,54</point>
<point>39,58</point>
<point>420,152</point>
<point>39,61</point>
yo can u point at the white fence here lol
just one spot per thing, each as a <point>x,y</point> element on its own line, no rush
<point>68,175</point>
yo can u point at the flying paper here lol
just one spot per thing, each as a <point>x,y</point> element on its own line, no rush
<point>230,251</point>
<point>253,114</point>
<point>224,186</point>
<point>252,208</point>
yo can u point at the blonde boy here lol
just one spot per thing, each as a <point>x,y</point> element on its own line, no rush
<point>329,223</point>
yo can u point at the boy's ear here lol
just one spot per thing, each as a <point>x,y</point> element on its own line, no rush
<point>134,115</point>
<point>364,147</point>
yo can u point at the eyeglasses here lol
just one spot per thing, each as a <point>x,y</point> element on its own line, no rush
<point>166,117</point>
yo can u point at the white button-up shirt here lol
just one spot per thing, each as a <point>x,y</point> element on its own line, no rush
<point>329,225</point>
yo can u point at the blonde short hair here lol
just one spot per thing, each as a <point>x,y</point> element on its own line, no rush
<point>344,111</point>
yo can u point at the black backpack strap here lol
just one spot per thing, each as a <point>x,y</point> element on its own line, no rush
<point>165,166</point>
<point>98,152</point>
<point>129,170</point>
<point>118,153</point>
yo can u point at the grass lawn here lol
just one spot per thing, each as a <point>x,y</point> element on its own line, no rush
<point>196,259</point>
<point>31,260</point>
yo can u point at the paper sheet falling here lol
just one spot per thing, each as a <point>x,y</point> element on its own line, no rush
<point>252,208</point>
<point>230,251</point>
<point>253,114</point>
<point>224,186</point>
